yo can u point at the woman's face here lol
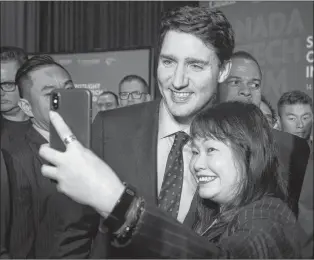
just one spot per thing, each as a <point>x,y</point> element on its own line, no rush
<point>217,172</point>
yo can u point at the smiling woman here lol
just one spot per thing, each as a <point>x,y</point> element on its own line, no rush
<point>233,144</point>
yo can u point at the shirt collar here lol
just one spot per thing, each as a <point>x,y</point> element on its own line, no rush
<point>44,133</point>
<point>167,124</point>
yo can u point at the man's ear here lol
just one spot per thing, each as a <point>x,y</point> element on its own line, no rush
<point>26,107</point>
<point>224,71</point>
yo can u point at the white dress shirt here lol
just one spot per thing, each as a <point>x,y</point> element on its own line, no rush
<point>167,128</point>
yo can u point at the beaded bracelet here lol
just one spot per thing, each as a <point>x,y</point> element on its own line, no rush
<point>124,234</point>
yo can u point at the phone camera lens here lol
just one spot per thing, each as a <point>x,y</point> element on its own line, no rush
<point>55,101</point>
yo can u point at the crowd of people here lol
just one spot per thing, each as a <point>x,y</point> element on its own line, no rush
<point>209,170</point>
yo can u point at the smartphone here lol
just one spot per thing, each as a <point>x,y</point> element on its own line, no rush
<point>75,107</point>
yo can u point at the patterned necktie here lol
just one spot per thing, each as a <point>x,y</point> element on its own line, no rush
<point>170,193</point>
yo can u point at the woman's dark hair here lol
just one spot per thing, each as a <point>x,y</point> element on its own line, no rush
<point>243,127</point>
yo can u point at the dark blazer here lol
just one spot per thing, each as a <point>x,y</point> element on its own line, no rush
<point>294,155</point>
<point>263,229</point>
<point>39,213</point>
<point>126,139</point>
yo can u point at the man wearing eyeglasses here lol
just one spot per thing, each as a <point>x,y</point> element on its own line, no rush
<point>14,122</point>
<point>133,89</point>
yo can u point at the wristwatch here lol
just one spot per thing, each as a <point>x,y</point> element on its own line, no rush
<point>118,216</point>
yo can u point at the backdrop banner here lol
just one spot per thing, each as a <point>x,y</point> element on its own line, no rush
<point>279,35</point>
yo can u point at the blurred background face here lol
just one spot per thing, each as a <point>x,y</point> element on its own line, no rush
<point>9,99</point>
<point>44,80</point>
<point>297,119</point>
<point>106,102</point>
<point>187,74</point>
<point>216,170</point>
<point>138,91</point>
<point>243,83</point>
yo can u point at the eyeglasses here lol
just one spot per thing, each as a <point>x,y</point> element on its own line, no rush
<point>8,86</point>
<point>134,95</point>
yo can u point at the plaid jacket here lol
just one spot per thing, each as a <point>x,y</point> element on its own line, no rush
<point>264,229</point>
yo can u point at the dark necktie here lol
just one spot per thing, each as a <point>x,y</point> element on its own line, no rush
<point>170,193</point>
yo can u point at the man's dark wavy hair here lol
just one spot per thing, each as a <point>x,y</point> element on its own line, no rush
<point>210,26</point>
<point>244,128</point>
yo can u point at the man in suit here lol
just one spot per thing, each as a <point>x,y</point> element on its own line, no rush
<point>36,207</point>
<point>14,122</point>
<point>137,141</point>
<point>244,83</point>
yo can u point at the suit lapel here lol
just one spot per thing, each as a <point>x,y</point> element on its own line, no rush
<point>145,149</point>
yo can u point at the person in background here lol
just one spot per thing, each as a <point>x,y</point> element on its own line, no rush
<point>244,80</point>
<point>107,100</point>
<point>236,167</point>
<point>145,143</point>
<point>268,111</point>
<point>37,209</point>
<point>133,89</point>
<point>244,83</point>
<point>295,109</point>
<point>14,122</point>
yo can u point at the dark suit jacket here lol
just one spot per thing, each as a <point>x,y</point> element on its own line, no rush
<point>294,155</point>
<point>126,138</point>
<point>39,213</point>
<point>263,229</point>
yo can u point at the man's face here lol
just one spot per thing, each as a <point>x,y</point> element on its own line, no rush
<point>187,74</point>
<point>243,83</point>
<point>106,102</point>
<point>44,81</point>
<point>9,99</point>
<point>297,119</point>
<point>133,86</point>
